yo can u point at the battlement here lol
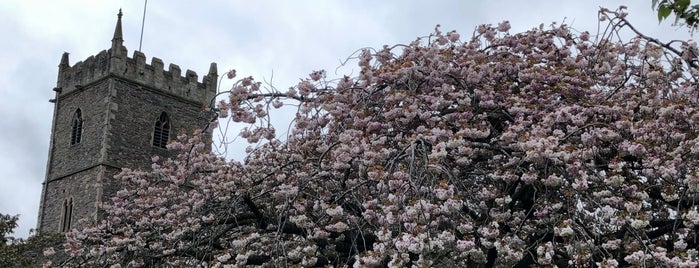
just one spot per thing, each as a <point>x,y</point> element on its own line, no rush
<point>134,69</point>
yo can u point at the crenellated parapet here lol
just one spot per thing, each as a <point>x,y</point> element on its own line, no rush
<point>115,62</point>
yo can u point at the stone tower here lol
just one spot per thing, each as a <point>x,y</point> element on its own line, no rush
<point>111,112</point>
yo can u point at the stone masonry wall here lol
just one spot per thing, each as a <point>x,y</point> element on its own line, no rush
<point>67,158</point>
<point>81,187</point>
<point>131,134</point>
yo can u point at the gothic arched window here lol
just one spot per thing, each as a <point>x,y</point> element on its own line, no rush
<point>67,214</point>
<point>76,127</point>
<point>161,131</point>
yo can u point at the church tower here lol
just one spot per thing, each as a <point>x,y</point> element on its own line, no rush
<point>111,112</point>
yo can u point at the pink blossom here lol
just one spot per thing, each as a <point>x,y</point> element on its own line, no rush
<point>504,26</point>
<point>231,74</point>
<point>317,75</point>
<point>453,36</point>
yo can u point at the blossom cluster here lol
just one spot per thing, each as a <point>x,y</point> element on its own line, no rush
<point>540,148</point>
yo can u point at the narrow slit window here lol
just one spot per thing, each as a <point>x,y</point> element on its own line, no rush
<point>77,128</point>
<point>67,214</point>
<point>161,131</point>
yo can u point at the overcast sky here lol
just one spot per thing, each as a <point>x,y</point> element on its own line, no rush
<point>288,39</point>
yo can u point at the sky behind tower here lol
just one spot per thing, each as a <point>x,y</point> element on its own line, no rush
<point>280,41</point>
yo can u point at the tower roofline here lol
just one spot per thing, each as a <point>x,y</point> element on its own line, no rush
<point>115,62</point>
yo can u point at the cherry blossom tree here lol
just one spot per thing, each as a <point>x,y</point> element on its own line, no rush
<point>541,148</point>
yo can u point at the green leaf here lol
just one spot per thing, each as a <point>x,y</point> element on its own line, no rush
<point>663,12</point>
<point>681,6</point>
<point>661,2</point>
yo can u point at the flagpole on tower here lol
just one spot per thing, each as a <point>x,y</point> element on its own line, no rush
<point>143,23</point>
